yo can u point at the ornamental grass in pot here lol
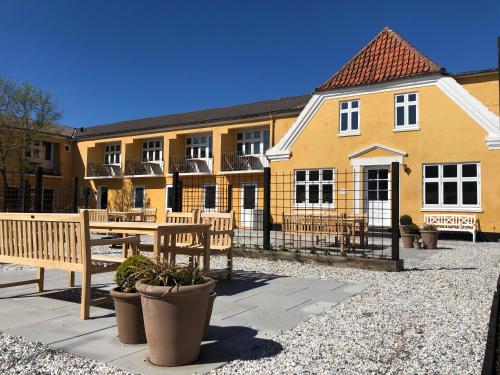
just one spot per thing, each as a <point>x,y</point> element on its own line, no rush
<point>409,235</point>
<point>175,302</point>
<point>429,235</point>
<point>128,301</point>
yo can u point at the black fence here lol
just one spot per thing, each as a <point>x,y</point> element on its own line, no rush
<point>315,211</point>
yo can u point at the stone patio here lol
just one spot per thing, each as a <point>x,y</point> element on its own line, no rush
<point>248,312</point>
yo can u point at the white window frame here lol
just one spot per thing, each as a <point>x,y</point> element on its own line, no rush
<point>204,197</point>
<point>459,179</point>
<point>406,104</point>
<point>151,151</point>
<point>349,110</point>
<point>170,186</point>
<point>207,146</point>
<point>111,155</point>
<point>307,183</point>
<point>251,140</point>
<point>144,196</point>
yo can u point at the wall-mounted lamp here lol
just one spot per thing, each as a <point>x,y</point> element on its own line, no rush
<point>406,168</point>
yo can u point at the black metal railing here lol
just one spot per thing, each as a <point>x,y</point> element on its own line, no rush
<point>183,164</point>
<point>237,161</point>
<point>143,168</point>
<point>101,169</point>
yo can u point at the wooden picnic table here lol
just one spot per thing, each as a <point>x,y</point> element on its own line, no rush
<point>125,215</point>
<point>157,231</point>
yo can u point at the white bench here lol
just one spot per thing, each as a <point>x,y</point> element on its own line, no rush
<point>454,223</point>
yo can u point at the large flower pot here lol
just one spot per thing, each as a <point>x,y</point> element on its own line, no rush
<point>429,238</point>
<point>129,317</point>
<point>211,301</point>
<point>408,240</point>
<point>174,319</point>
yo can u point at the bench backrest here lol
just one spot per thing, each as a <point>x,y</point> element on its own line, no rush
<point>98,215</point>
<point>451,220</point>
<point>182,218</point>
<point>150,215</point>
<point>221,228</point>
<point>57,240</point>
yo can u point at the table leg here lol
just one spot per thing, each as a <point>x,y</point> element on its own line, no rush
<point>156,245</point>
<point>206,252</point>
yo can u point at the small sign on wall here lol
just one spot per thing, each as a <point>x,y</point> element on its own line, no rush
<point>343,191</point>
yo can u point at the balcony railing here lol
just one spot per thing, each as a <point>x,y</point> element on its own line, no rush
<point>143,168</point>
<point>182,164</point>
<point>102,170</point>
<point>48,167</point>
<point>237,161</point>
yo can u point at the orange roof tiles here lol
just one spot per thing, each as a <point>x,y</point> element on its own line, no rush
<point>388,56</point>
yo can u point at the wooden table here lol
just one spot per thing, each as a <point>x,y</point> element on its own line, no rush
<point>157,231</point>
<point>125,215</point>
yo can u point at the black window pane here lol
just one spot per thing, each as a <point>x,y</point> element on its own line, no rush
<point>210,197</point>
<point>383,185</point>
<point>450,170</point>
<point>372,195</point>
<point>412,97</point>
<point>372,174</point>
<point>354,104</point>
<point>327,175</point>
<point>313,175</point>
<point>450,195</point>
<point>170,197</point>
<point>383,174</point>
<point>372,185</point>
<point>412,115</point>
<point>300,194</point>
<point>327,193</point>
<point>301,175</point>
<point>400,116</point>
<point>313,193</point>
<point>343,105</point>
<point>431,193</point>
<point>383,195</point>
<point>249,197</point>
<point>400,99</point>
<point>354,121</point>
<point>469,170</point>
<point>139,198</point>
<point>431,171</point>
<point>469,192</point>
<point>343,122</point>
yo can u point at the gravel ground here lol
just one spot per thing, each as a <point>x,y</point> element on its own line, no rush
<point>431,318</point>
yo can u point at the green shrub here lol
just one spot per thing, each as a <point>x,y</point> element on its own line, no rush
<point>405,220</point>
<point>429,227</point>
<point>125,276</point>
<point>410,229</point>
<point>168,274</point>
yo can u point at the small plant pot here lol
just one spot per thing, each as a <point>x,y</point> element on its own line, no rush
<point>175,320</point>
<point>429,238</point>
<point>129,317</point>
<point>408,240</point>
<point>211,300</point>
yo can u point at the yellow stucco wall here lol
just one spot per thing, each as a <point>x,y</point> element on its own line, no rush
<point>485,88</point>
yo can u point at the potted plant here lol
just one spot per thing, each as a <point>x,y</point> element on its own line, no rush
<point>409,235</point>
<point>128,301</point>
<point>404,220</point>
<point>175,303</point>
<point>429,235</point>
<point>211,300</point>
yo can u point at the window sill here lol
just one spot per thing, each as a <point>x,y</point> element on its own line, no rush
<point>313,207</point>
<point>348,134</point>
<point>406,129</point>
<point>452,209</point>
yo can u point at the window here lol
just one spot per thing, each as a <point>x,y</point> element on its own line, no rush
<point>139,196</point>
<point>210,197</point>
<point>252,142</point>
<point>169,198</point>
<point>199,147</point>
<point>314,187</point>
<point>67,148</point>
<point>452,185</point>
<point>349,117</point>
<point>48,200</point>
<point>152,150</point>
<point>112,153</point>
<point>406,111</point>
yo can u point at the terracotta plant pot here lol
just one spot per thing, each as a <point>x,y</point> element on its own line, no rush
<point>129,317</point>
<point>211,301</point>
<point>408,240</point>
<point>429,238</point>
<point>174,319</point>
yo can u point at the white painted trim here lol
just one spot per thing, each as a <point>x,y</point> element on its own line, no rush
<point>493,142</point>
<point>253,171</point>
<point>374,147</point>
<point>281,151</point>
<point>405,105</point>
<point>454,209</point>
<point>383,160</point>
<point>357,188</point>
<point>406,129</point>
<point>349,134</point>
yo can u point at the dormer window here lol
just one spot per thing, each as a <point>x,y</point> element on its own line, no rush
<point>406,111</point>
<point>349,117</point>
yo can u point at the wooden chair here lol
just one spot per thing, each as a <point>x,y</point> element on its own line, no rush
<point>150,215</point>
<point>137,211</point>
<point>98,215</point>
<point>221,235</point>
<point>57,241</point>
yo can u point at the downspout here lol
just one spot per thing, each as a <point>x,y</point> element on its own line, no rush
<point>271,132</point>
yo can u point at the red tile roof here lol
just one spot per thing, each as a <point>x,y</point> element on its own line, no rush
<point>388,56</point>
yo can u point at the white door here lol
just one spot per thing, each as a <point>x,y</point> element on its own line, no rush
<point>376,195</point>
<point>249,208</point>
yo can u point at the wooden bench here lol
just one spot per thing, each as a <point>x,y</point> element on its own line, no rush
<point>55,241</point>
<point>453,223</point>
<point>98,215</point>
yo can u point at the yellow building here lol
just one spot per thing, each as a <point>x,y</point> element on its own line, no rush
<point>389,103</point>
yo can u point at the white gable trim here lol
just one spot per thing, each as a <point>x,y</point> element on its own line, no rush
<point>377,146</point>
<point>473,107</point>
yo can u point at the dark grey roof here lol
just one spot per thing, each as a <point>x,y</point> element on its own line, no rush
<point>62,130</point>
<point>293,104</point>
<point>473,72</point>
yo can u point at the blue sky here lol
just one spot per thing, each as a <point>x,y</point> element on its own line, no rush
<point>108,61</point>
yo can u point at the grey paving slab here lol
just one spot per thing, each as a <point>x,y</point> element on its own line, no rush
<point>12,318</point>
<point>225,309</point>
<point>276,302</point>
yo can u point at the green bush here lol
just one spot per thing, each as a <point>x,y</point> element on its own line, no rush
<point>405,220</point>
<point>126,276</point>
<point>168,274</point>
<point>410,229</point>
<point>429,227</point>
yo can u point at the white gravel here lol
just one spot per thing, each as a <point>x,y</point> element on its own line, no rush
<point>430,319</point>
